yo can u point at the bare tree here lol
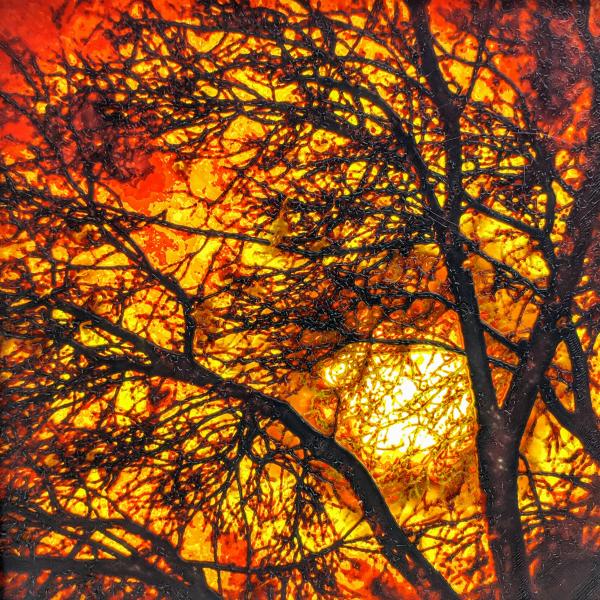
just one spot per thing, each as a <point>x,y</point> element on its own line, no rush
<point>301,301</point>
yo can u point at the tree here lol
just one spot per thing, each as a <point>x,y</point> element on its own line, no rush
<point>300,300</point>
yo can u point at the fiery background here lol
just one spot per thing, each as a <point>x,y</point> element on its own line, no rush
<point>299,300</point>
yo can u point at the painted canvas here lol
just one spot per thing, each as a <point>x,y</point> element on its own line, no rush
<point>299,299</point>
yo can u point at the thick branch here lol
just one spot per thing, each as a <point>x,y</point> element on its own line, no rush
<point>121,569</point>
<point>396,546</point>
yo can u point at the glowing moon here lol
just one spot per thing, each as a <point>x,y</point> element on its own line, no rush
<point>402,402</point>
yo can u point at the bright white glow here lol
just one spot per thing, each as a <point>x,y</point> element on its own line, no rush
<point>406,402</point>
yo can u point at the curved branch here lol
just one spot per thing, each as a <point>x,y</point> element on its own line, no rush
<point>396,546</point>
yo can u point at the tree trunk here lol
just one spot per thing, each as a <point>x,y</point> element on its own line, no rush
<point>498,470</point>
